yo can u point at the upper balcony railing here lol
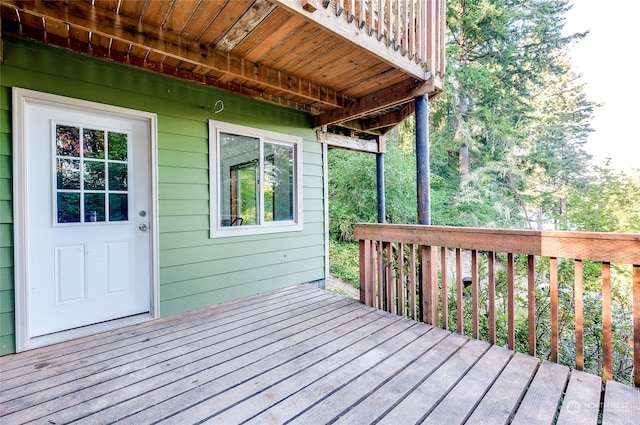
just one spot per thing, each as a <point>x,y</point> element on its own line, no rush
<point>414,28</point>
<point>546,279</point>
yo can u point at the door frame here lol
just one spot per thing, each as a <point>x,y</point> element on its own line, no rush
<point>21,98</point>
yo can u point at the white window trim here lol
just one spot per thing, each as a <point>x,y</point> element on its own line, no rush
<point>216,230</point>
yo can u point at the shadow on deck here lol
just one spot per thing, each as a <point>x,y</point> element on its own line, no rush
<point>299,355</point>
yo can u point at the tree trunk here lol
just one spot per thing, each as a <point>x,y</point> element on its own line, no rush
<point>464,161</point>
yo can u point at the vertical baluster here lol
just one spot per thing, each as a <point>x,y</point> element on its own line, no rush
<point>362,17</point>
<point>636,324</point>
<point>578,293</point>
<point>351,12</point>
<point>511,318</point>
<point>388,23</point>
<point>606,321</point>
<point>445,288</point>
<point>402,291</point>
<point>531,303</point>
<point>475,293</point>
<point>397,28</point>
<point>412,282</point>
<point>459,299</point>
<point>380,270</point>
<point>553,294</point>
<point>429,285</point>
<point>390,285</point>
<point>367,272</point>
<point>371,16</point>
<point>381,18</point>
<point>412,29</point>
<point>491,256</point>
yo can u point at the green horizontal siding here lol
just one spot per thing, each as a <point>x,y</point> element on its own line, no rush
<point>7,295</point>
<point>195,271</point>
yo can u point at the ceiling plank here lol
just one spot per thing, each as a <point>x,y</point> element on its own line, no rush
<point>247,23</point>
<point>383,99</point>
<point>107,24</point>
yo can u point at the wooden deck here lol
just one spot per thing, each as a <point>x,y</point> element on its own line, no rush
<point>299,355</point>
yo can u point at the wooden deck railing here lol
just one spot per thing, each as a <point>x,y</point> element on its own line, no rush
<point>415,28</point>
<point>404,269</point>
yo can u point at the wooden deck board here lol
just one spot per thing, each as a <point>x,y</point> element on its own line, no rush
<point>501,401</point>
<point>581,404</point>
<point>540,404</point>
<point>621,404</point>
<point>299,355</point>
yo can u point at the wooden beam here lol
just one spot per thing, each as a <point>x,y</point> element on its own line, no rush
<point>380,100</point>
<point>343,25</point>
<point>85,16</point>
<point>351,143</point>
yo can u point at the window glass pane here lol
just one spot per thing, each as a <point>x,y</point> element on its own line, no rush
<point>94,175</point>
<point>117,146</point>
<point>239,172</point>
<point>67,141</point>
<point>68,207</point>
<point>118,207</point>
<point>93,143</point>
<point>117,176</point>
<point>278,182</point>
<point>68,172</point>
<point>94,205</point>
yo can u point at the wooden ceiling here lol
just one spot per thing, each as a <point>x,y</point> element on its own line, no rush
<point>268,49</point>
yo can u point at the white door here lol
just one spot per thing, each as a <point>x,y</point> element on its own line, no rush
<point>88,240</point>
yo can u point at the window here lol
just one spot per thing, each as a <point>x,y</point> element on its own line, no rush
<point>256,181</point>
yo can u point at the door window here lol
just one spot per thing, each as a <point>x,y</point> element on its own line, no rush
<point>92,174</point>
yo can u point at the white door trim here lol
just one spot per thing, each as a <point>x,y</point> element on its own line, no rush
<point>21,98</point>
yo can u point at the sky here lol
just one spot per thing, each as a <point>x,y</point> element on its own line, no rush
<point>608,60</point>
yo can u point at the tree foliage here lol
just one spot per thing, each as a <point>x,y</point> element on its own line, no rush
<point>513,103</point>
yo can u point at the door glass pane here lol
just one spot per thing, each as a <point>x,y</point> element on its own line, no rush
<point>239,175</point>
<point>87,177</point>
<point>117,176</point>
<point>94,175</point>
<point>278,182</point>
<point>68,207</point>
<point>117,146</point>
<point>67,141</point>
<point>68,174</point>
<point>94,204</point>
<point>118,207</point>
<point>93,143</point>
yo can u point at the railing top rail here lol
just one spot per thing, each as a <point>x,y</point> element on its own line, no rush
<point>606,247</point>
